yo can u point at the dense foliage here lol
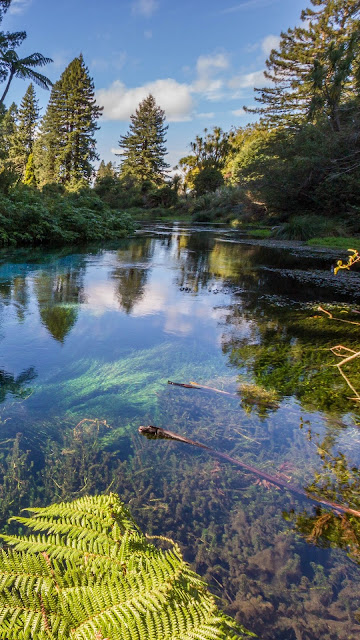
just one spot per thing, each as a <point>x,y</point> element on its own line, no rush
<point>55,217</point>
<point>46,174</point>
<point>90,573</point>
<point>302,157</point>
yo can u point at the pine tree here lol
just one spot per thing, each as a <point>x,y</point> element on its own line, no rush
<point>8,129</point>
<point>28,116</point>
<point>29,175</point>
<point>65,149</point>
<point>105,171</point>
<point>144,145</point>
<point>314,68</point>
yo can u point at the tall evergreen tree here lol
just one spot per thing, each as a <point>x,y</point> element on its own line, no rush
<point>65,148</point>
<point>315,66</point>
<point>144,145</point>
<point>28,116</point>
<point>8,129</point>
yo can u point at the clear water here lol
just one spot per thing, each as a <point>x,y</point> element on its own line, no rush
<point>88,342</point>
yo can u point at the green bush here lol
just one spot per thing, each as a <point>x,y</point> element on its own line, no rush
<point>208,180</point>
<point>164,197</point>
<point>53,217</point>
<point>308,226</point>
<point>226,203</point>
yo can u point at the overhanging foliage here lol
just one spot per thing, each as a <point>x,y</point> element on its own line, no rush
<point>87,573</point>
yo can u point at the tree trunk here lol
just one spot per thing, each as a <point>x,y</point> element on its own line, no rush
<point>7,87</point>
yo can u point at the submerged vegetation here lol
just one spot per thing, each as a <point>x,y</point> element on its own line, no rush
<point>227,521</point>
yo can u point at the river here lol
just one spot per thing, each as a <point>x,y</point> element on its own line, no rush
<point>88,341</point>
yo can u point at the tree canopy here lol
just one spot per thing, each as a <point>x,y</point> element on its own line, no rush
<point>315,68</point>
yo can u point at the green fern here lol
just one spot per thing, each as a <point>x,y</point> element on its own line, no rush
<point>88,573</point>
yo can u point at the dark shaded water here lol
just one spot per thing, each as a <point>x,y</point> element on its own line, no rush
<point>97,334</point>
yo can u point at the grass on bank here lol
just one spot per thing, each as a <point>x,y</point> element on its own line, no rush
<point>335,243</point>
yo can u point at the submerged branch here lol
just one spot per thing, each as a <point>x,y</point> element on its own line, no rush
<point>153,432</point>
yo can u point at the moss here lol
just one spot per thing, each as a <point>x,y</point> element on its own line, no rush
<point>255,395</point>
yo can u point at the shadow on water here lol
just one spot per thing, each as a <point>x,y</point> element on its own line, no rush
<point>105,329</point>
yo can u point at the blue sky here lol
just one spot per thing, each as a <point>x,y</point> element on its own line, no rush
<point>199,58</point>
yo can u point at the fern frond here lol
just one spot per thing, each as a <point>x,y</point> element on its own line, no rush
<point>88,572</point>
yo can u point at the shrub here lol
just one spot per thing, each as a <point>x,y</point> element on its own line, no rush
<point>29,217</point>
<point>308,226</point>
<point>163,197</point>
<point>208,180</point>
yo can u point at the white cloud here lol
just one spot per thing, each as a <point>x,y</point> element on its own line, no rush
<point>61,59</point>
<point>144,7</point>
<point>249,4</point>
<point>239,112</point>
<point>120,102</point>
<point>177,99</point>
<point>248,80</point>
<point>209,115</point>
<point>269,43</point>
<point>207,68</point>
<point>19,6</point>
<point>148,34</point>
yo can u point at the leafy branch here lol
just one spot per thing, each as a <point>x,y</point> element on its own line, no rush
<point>88,572</point>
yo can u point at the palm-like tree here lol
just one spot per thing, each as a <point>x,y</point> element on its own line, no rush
<point>11,64</point>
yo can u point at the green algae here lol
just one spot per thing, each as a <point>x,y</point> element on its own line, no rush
<point>125,385</point>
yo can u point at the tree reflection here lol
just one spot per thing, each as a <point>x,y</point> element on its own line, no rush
<point>287,350</point>
<point>338,481</point>
<point>16,385</point>
<point>15,291</point>
<point>131,275</point>
<point>205,260</point>
<point>58,296</point>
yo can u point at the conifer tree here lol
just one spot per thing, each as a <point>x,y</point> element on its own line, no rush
<point>8,128</point>
<point>28,116</point>
<point>144,145</point>
<point>65,149</point>
<point>29,175</point>
<point>105,171</point>
<point>315,66</point>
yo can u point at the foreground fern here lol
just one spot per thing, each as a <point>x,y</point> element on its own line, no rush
<point>88,573</point>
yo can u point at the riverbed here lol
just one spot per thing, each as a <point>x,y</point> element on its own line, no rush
<point>89,339</point>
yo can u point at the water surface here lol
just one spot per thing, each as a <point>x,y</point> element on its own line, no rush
<point>89,339</point>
